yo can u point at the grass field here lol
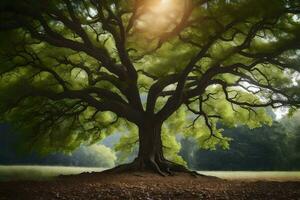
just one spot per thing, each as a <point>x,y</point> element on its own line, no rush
<point>8,173</point>
<point>256,175</point>
<point>33,172</point>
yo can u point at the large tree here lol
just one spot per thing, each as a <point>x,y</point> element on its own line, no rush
<point>73,71</point>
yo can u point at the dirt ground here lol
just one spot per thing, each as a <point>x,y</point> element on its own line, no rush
<point>147,186</point>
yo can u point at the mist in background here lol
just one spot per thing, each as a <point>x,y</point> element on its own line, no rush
<point>97,155</point>
<point>261,149</point>
<point>265,148</point>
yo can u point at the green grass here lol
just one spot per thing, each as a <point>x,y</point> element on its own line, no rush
<point>9,173</point>
<point>256,175</point>
<point>33,172</point>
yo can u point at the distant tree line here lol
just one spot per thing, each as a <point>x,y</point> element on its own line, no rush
<point>275,147</point>
<point>97,155</point>
<point>266,148</point>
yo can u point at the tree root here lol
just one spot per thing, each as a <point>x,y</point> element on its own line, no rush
<point>162,167</point>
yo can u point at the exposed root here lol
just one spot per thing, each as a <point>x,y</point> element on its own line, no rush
<point>157,168</point>
<point>172,168</point>
<point>162,167</point>
<point>121,168</point>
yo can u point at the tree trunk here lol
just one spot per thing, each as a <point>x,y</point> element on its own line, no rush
<point>150,144</point>
<point>150,156</point>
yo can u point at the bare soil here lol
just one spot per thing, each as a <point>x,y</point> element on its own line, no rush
<point>147,186</point>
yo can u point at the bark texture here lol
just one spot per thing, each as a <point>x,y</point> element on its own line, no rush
<point>150,156</point>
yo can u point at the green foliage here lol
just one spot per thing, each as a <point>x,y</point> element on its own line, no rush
<point>97,155</point>
<point>171,148</point>
<point>265,148</point>
<point>128,143</point>
<point>68,71</point>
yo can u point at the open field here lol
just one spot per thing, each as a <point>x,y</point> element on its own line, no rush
<point>34,172</point>
<point>8,173</point>
<point>255,175</point>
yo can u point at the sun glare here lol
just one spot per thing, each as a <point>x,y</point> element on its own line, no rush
<point>158,16</point>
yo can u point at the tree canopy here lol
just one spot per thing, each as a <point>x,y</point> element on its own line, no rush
<point>78,71</point>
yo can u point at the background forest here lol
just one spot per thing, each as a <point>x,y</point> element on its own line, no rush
<point>275,147</point>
